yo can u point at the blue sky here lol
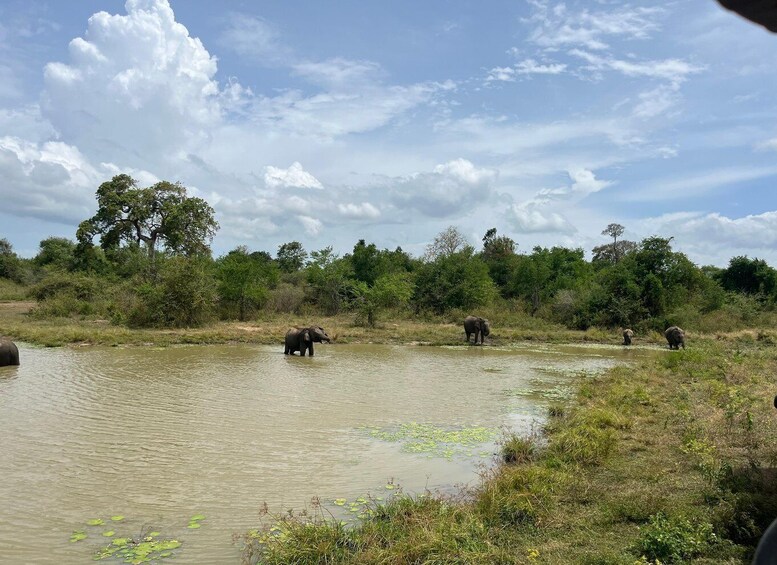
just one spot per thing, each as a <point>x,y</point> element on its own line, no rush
<point>332,122</point>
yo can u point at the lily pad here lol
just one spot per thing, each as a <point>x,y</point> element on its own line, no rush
<point>390,486</point>
<point>196,518</point>
<point>78,536</point>
<point>95,522</point>
<point>118,518</point>
<point>194,525</point>
<point>154,534</point>
<point>340,501</point>
<point>109,534</point>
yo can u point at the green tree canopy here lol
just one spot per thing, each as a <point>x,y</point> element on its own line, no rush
<point>244,280</point>
<point>454,280</point>
<point>160,215</point>
<point>10,264</point>
<point>751,276</point>
<point>56,252</point>
<point>291,256</point>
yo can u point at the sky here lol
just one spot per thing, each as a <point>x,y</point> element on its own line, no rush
<point>330,122</point>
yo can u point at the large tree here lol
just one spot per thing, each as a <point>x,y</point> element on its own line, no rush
<point>161,215</point>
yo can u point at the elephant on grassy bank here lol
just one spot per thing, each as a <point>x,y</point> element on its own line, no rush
<point>473,324</point>
<point>675,337</point>
<point>9,353</point>
<point>627,335</point>
<point>302,339</point>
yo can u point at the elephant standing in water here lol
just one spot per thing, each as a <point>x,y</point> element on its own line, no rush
<point>302,339</point>
<point>627,335</point>
<point>473,324</point>
<point>675,337</point>
<point>9,353</point>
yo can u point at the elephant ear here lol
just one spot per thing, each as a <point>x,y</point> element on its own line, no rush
<point>306,335</point>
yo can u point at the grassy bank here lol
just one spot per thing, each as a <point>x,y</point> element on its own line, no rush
<point>16,322</point>
<point>670,461</point>
<point>393,328</point>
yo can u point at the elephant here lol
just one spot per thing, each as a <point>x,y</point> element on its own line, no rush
<point>473,324</point>
<point>675,336</point>
<point>9,353</point>
<point>302,339</point>
<point>627,335</point>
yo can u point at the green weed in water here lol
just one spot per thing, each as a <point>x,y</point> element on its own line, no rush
<point>138,551</point>
<point>436,441</point>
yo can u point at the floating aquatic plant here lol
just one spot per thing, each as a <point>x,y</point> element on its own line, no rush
<point>436,441</point>
<point>117,518</point>
<point>109,534</point>
<point>194,521</point>
<point>95,522</point>
<point>78,535</point>
<point>138,551</point>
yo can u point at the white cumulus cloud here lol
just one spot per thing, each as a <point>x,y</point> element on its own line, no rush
<point>293,177</point>
<point>364,210</point>
<point>449,189</point>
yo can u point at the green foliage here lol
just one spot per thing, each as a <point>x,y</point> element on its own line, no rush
<point>244,281</point>
<point>56,253</point>
<point>332,286</point>
<point>674,539</point>
<point>10,264</point>
<point>499,254</point>
<point>61,294</point>
<point>291,256</point>
<point>749,276</point>
<point>457,280</point>
<point>162,214</point>
<point>181,294</point>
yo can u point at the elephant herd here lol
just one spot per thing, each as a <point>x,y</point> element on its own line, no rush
<point>675,337</point>
<point>302,339</point>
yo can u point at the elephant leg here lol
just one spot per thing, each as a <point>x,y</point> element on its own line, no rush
<point>286,350</point>
<point>466,338</point>
<point>311,348</point>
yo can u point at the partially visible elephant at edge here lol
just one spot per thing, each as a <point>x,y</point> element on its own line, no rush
<point>9,353</point>
<point>473,324</point>
<point>675,337</point>
<point>302,339</point>
<point>627,335</point>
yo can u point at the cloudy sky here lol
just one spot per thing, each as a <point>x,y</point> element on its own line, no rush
<point>330,122</point>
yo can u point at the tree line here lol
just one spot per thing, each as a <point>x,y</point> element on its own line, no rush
<point>144,260</point>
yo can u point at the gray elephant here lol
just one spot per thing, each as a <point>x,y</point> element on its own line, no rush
<point>9,353</point>
<point>302,339</point>
<point>473,324</point>
<point>627,335</point>
<point>675,337</point>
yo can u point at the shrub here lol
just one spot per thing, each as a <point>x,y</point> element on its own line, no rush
<point>181,295</point>
<point>674,539</point>
<point>286,298</point>
<point>518,449</point>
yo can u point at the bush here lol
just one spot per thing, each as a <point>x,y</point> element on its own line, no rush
<point>674,539</point>
<point>62,295</point>
<point>183,294</point>
<point>286,299</point>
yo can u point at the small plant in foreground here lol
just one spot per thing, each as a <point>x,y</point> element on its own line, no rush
<point>674,539</point>
<point>518,449</point>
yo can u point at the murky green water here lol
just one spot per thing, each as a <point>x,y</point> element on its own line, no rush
<point>161,435</point>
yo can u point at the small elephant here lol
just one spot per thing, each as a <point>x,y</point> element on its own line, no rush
<point>9,353</point>
<point>627,335</point>
<point>675,337</point>
<point>302,339</point>
<point>473,324</point>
